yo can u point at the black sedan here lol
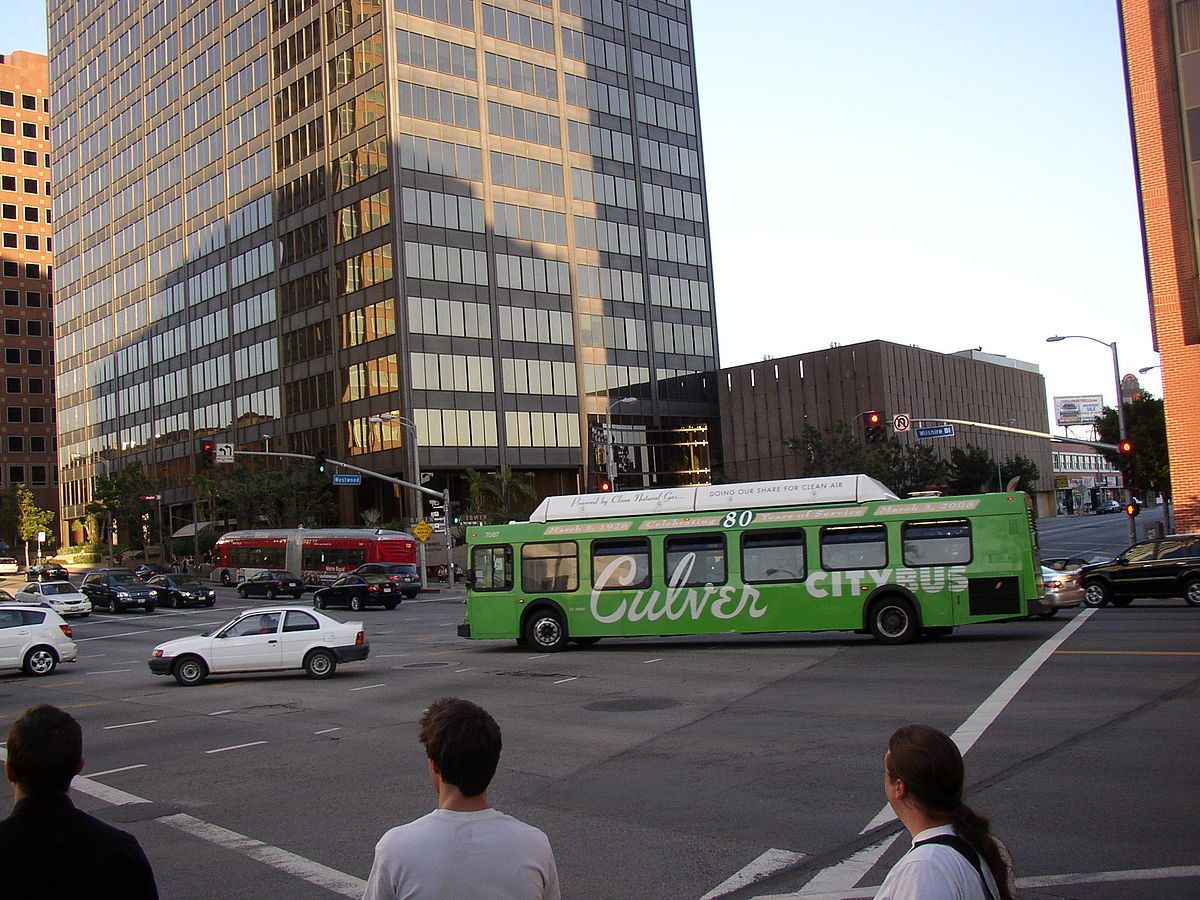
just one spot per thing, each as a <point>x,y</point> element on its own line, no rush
<point>358,591</point>
<point>46,572</point>
<point>146,571</point>
<point>178,591</point>
<point>270,584</point>
<point>403,575</point>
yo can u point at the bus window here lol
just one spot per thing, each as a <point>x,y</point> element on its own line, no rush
<point>707,559</point>
<point>854,547</point>
<point>546,568</point>
<point>937,543</point>
<point>492,568</point>
<point>633,570</point>
<point>769,556</point>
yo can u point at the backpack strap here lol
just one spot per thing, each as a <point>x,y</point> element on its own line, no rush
<point>966,850</point>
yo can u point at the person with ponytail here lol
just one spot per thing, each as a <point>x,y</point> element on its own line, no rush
<point>953,856</point>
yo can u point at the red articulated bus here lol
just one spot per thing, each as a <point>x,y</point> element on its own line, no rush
<point>315,555</point>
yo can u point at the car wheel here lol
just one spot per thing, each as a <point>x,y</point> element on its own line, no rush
<point>40,661</point>
<point>892,620</point>
<point>117,606</point>
<point>320,664</point>
<point>149,607</point>
<point>356,603</point>
<point>319,603</point>
<point>1191,592</point>
<point>176,602</point>
<point>210,602</point>
<point>242,592</point>
<point>1048,614</point>
<point>271,594</point>
<point>410,595</point>
<point>1096,594</point>
<point>190,670</point>
<point>298,594</point>
<point>389,604</point>
<point>546,630</point>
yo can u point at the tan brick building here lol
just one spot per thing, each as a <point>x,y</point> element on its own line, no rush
<point>1162,54</point>
<point>27,419</point>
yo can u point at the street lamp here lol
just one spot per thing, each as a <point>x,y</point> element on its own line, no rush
<point>1121,424</point>
<point>415,503</point>
<point>610,461</point>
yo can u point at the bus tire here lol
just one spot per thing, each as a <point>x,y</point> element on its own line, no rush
<point>545,630</point>
<point>893,620</point>
<point>225,578</point>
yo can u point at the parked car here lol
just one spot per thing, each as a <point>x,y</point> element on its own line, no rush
<point>47,572</point>
<point>264,640</point>
<point>178,590</point>
<point>61,596</point>
<point>1063,590</point>
<point>358,592</point>
<point>6,597</point>
<point>1109,506</point>
<point>9,566</point>
<point>270,584</point>
<point>1073,563</point>
<point>34,638</point>
<point>146,571</point>
<point>403,575</point>
<point>118,590</point>
<point>1164,567</point>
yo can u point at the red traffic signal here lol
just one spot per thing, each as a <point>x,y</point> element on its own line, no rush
<point>208,455</point>
<point>1125,448</point>
<point>874,429</point>
<point>604,486</point>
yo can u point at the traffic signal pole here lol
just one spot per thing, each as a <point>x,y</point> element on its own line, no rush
<point>444,496</point>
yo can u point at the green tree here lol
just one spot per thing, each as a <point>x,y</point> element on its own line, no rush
<point>834,450</point>
<point>285,497</point>
<point>496,497</point>
<point>907,467</point>
<point>1022,468</point>
<point>972,470</point>
<point>117,498</point>
<point>1147,428</point>
<point>30,518</point>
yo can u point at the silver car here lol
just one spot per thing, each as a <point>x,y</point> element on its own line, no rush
<point>61,596</point>
<point>1062,591</point>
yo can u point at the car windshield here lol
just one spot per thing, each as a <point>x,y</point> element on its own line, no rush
<point>51,589</point>
<point>372,578</point>
<point>189,583</point>
<point>131,580</point>
<point>279,574</point>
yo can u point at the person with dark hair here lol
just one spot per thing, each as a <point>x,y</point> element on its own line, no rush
<point>464,849</point>
<point>953,855</point>
<point>48,847</point>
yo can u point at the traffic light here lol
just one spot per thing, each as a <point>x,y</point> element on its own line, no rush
<point>603,485</point>
<point>319,461</point>
<point>1132,508</point>
<point>1125,448</point>
<point>208,455</point>
<point>874,429</point>
<point>455,513</point>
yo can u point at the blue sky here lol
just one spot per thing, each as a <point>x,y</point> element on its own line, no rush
<point>945,173</point>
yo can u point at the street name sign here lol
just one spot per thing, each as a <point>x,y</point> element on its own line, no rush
<point>347,479</point>
<point>936,431</point>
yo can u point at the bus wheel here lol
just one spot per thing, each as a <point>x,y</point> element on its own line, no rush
<point>545,630</point>
<point>893,621</point>
<point>225,579</point>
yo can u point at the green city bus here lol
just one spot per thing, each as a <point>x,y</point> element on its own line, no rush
<point>841,553</point>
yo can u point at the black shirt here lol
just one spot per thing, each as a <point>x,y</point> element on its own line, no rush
<point>48,848</point>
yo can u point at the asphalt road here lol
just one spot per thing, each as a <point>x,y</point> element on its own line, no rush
<point>675,768</point>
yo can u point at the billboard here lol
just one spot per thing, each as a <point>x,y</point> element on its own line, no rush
<point>1078,410</point>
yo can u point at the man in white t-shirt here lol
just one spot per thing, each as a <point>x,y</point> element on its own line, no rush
<point>464,849</point>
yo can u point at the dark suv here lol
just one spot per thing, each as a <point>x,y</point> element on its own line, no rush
<point>1166,567</point>
<point>402,575</point>
<point>118,590</point>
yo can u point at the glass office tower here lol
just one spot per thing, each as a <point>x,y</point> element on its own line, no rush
<point>422,235</point>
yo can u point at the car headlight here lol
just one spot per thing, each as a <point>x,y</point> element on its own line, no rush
<point>187,596</point>
<point>121,595</point>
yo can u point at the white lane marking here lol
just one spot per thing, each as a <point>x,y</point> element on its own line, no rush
<point>367,687</point>
<point>1035,881</point>
<point>220,712</point>
<point>844,875</point>
<point>114,771</point>
<point>276,857</point>
<point>108,672</point>
<point>327,730</point>
<point>770,862</point>
<point>543,656</point>
<point>565,680</point>
<point>130,724</point>
<point>467,669</point>
<point>646,662</point>
<point>235,747</point>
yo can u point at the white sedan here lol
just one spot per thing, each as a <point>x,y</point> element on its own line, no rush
<point>264,640</point>
<point>61,596</point>
<point>9,566</point>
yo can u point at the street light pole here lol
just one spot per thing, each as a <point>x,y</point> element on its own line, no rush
<point>610,462</point>
<point>415,496</point>
<point>1122,426</point>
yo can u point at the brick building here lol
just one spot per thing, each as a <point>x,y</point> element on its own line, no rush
<point>27,445</point>
<point>1162,56</point>
<point>765,403</point>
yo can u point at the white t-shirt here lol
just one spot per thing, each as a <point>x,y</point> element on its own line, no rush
<point>447,855</point>
<point>935,872</point>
